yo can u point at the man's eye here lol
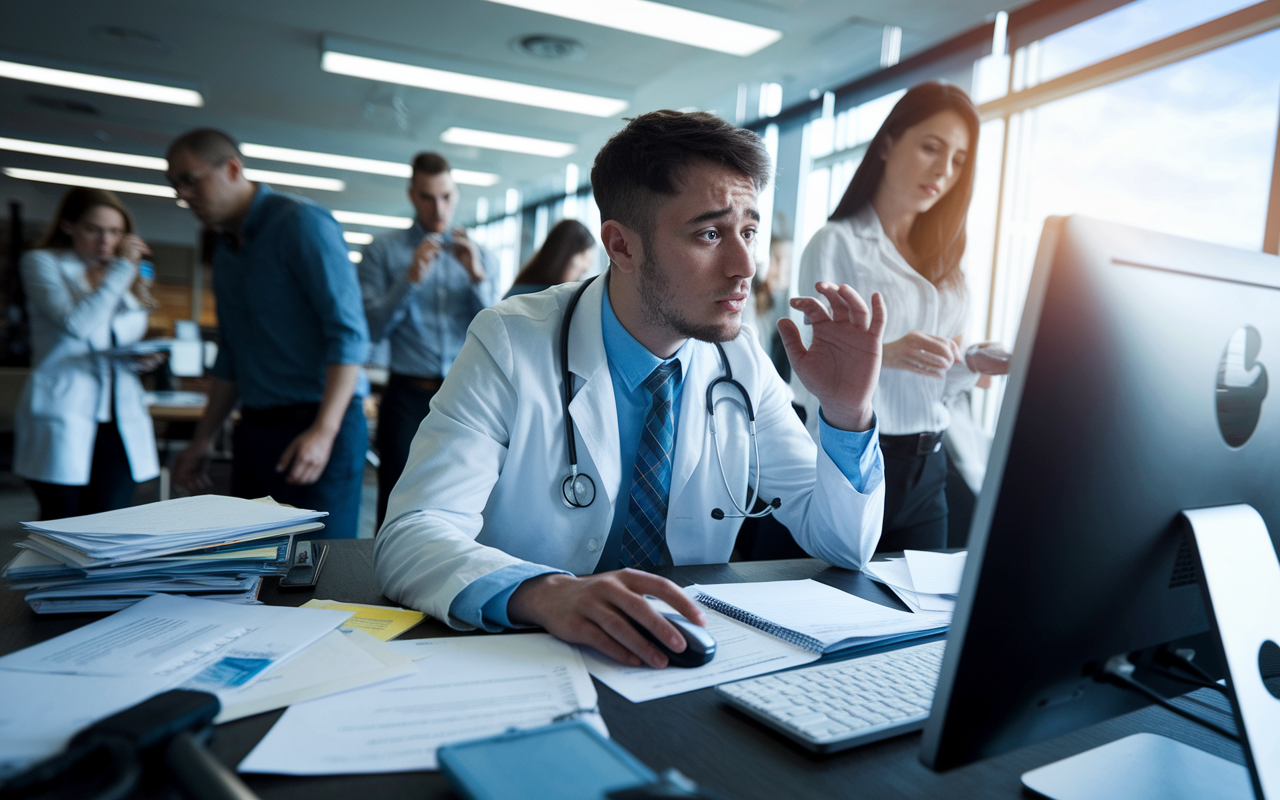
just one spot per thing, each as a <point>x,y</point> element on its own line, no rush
<point>711,236</point>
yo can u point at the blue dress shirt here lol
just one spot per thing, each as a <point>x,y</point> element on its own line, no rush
<point>484,602</point>
<point>288,302</point>
<point>426,322</point>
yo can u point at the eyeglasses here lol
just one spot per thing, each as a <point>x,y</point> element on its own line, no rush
<point>187,181</point>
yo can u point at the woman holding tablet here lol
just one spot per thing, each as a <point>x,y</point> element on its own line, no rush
<point>900,230</point>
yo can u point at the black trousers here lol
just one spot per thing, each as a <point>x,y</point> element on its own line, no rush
<point>110,486</point>
<point>403,408</point>
<point>915,500</point>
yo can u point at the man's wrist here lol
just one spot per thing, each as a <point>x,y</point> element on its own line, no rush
<point>521,608</point>
<point>856,421</point>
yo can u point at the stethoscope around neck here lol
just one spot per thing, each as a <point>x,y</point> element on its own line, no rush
<point>578,490</point>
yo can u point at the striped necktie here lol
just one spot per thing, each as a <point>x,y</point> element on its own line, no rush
<point>645,530</point>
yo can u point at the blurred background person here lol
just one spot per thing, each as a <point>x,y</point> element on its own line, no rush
<point>770,291</point>
<point>900,230</point>
<point>292,339</point>
<point>422,287</point>
<point>83,438</point>
<point>567,254</point>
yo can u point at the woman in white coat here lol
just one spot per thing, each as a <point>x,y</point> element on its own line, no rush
<point>900,230</point>
<point>84,438</point>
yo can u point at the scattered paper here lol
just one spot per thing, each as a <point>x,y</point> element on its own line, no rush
<point>207,644</point>
<point>384,622</point>
<point>343,659</point>
<point>935,573</point>
<point>463,688</point>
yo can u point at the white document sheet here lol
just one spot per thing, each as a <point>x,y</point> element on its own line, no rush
<point>895,574</point>
<point>178,517</point>
<point>172,639</point>
<point>935,573</point>
<point>343,659</point>
<point>741,652</point>
<point>39,713</point>
<point>463,688</point>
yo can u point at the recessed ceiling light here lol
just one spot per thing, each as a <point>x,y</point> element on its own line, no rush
<point>101,84</point>
<point>356,237</point>
<point>660,21</point>
<point>472,85</point>
<point>132,187</point>
<point>373,220</point>
<point>152,162</point>
<point>502,141</point>
<point>356,256</point>
<point>355,164</point>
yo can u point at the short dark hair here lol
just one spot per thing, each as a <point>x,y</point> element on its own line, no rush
<point>429,164</point>
<point>645,159</point>
<point>207,144</point>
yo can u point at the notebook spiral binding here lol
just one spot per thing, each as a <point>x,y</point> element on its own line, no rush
<point>810,643</point>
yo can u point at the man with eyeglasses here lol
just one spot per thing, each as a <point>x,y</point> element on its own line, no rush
<point>292,337</point>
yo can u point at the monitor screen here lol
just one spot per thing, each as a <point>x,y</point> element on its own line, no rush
<point>1138,388</point>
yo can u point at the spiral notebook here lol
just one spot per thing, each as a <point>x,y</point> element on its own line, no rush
<point>815,616</point>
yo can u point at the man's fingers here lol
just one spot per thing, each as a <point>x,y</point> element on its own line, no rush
<point>287,456</point>
<point>593,635</point>
<point>859,314</point>
<point>792,342</point>
<point>879,315</point>
<point>617,625</point>
<point>840,310</point>
<point>814,312</point>
<point>668,592</point>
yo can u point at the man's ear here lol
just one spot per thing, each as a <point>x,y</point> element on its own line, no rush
<point>235,169</point>
<point>623,245</point>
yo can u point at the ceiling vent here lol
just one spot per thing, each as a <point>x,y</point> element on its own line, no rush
<point>60,104</point>
<point>132,38</point>
<point>549,48</point>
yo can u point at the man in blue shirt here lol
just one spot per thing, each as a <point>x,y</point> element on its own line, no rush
<point>500,522</point>
<point>422,287</point>
<point>292,337</point>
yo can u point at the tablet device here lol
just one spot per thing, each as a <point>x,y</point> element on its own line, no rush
<point>565,760</point>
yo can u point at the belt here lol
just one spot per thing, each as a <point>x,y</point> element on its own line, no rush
<point>421,384</point>
<point>298,414</point>
<point>915,444</point>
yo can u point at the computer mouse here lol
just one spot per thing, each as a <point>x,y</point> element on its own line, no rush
<point>699,647</point>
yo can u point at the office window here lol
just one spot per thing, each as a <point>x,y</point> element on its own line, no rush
<point>1106,35</point>
<point>1186,149</point>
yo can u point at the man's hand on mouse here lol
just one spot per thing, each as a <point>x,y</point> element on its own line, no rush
<point>594,611</point>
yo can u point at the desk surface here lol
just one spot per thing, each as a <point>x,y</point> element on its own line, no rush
<point>694,732</point>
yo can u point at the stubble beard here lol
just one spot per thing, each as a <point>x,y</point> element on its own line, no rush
<point>657,303</point>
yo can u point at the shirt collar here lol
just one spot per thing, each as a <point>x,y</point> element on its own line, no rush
<point>633,361</point>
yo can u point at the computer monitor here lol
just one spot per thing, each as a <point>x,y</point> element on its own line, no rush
<point>1138,388</point>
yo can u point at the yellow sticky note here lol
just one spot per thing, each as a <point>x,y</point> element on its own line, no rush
<point>383,622</point>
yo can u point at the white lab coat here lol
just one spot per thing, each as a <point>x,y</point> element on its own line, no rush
<point>481,490</point>
<point>56,421</point>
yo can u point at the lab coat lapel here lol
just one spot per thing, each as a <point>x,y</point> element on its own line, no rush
<point>691,435</point>
<point>595,413</point>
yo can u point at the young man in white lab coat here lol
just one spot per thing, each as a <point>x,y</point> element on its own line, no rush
<point>480,529</point>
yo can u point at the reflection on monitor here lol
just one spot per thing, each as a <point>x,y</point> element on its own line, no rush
<point>1138,388</point>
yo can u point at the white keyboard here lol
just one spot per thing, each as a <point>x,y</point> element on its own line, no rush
<point>831,707</point>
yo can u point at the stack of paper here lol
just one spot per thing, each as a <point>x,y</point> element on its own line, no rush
<point>207,546</point>
<point>923,580</point>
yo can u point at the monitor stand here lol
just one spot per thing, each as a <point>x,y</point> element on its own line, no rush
<point>1240,577</point>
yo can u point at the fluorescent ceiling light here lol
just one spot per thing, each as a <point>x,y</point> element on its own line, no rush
<point>356,256</point>
<point>660,21</point>
<point>355,237</point>
<point>354,164</point>
<point>473,178</point>
<point>314,159</point>
<point>473,85</point>
<point>153,189</point>
<point>151,162</point>
<point>101,84</point>
<point>502,141</point>
<point>374,220</point>
<point>300,181</point>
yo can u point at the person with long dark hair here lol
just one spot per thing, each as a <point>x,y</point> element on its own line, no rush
<point>83,438</point>
<point>564,257</point>
<point>900,230</point>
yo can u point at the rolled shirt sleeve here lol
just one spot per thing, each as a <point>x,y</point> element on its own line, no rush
<point>855,453</point>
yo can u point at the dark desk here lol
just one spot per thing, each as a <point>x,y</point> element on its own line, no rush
<point>692,732</point>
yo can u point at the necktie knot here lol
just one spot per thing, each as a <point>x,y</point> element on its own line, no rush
<point>661,382</point>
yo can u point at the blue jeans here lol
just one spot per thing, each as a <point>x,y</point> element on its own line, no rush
<point>261,438</point>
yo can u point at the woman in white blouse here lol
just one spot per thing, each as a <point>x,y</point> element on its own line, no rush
<point>900,230</point>
<point>83,436</point>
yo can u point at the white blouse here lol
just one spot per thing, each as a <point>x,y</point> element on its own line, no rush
<point>858,252</point>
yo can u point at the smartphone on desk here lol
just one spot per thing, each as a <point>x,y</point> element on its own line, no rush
<point>565,760</point>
